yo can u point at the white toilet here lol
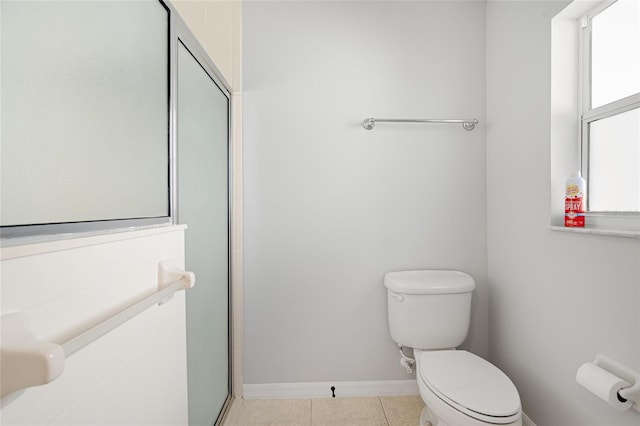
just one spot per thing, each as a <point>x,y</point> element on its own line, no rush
<point>429,311</point>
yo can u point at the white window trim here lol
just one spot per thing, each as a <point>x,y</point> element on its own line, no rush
<point>565,124</point>
<point>613,220</point>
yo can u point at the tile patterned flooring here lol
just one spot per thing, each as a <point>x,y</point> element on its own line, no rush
<point>366,411</point>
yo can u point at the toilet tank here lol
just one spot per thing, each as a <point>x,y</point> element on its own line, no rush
<point>429,309</point>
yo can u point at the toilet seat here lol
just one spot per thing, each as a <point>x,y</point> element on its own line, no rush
<point>470,385</point>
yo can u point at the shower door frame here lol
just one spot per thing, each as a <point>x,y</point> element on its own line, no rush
<point>180,33</point>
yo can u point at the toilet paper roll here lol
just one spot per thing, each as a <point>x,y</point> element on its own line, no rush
<point>603,384</point>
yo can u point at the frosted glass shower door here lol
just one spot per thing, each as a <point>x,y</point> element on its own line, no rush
<point>203,205</point>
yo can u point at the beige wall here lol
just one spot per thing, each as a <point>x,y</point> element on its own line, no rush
<point>217,25</point>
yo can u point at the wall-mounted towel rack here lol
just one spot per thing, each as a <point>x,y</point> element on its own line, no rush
<point>28,361</point>
<point>467,124</point>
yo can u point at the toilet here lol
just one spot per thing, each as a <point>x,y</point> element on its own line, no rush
<point>429,312</point>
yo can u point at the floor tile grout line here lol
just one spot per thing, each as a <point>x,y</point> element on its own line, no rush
<point>310,409</point>
<point>386,418</point>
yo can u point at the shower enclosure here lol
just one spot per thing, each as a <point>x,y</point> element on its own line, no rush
<point>118,120</point>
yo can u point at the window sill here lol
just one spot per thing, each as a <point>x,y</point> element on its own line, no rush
<point>598,231</point>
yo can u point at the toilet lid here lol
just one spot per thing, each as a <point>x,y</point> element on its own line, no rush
<point>470,384</point>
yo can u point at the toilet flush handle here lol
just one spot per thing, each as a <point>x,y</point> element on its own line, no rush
<point>397,296</point>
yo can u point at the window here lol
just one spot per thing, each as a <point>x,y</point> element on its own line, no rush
<point>610,112</point>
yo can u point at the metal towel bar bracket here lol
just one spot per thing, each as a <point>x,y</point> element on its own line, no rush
<point>27,361</point>
<point>467,124</point>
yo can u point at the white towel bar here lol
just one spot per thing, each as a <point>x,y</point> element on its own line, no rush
<point>27,361</point>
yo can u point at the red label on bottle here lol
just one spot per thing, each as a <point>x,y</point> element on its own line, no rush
<point>574,212</point>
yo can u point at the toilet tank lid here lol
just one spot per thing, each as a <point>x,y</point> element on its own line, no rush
<point>429,282</point>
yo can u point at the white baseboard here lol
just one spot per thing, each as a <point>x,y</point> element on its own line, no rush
<point>323,389</point>
<point>526,421</point>
<point>342,389</point>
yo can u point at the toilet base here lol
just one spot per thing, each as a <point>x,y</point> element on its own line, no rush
<point>426,417</point>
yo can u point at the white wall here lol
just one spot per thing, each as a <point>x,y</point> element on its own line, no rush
<point>135,374</point>
<point>330,207</point>
<point>555,298</point>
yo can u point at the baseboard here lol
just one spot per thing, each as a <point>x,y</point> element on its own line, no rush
<point>526,421</point>
<point>323,389</point>
<point>342,389</point>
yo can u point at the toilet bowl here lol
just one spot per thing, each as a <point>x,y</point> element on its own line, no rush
<point>429,311</point>
<point>460,388</point>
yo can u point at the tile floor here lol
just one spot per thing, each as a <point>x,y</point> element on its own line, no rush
<point>366,411</point>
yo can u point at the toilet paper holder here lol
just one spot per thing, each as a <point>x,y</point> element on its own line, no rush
<point>626,373</point>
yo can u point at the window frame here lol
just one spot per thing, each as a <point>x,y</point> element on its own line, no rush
<point>629,220</point>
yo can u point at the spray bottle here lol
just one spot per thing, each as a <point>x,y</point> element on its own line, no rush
<point>575,200</point>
